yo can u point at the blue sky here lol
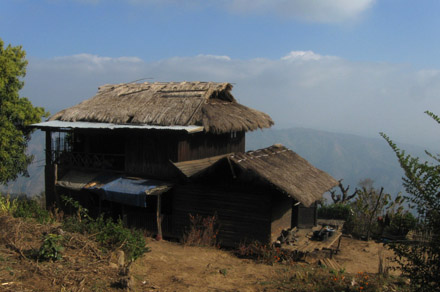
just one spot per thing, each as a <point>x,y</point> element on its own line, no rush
<point>353,66</point>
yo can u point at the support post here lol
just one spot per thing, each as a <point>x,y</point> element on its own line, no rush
<point>124,216</point>
<point>159,218</point>
<point>49,174</point>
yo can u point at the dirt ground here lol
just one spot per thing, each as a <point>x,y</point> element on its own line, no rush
<point>363,256</point>
<point>168,267</point>
<point>173,267</point>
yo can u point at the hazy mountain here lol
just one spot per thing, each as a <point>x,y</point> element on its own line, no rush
<point>349,157</point>
<point>34,184</point>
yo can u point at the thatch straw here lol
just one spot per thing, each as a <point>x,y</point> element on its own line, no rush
<point>276,165</point>
<point>206,104</point>
<point>287,171</point>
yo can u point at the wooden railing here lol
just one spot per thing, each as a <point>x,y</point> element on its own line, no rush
<point>115,162</point>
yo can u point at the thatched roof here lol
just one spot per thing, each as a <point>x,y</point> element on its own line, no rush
<point>287,171</point>
<point>192,167</point>
<point>278,166</point>
<point>206,104</point>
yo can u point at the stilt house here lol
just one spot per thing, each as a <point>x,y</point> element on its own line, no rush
<point>154,153</point>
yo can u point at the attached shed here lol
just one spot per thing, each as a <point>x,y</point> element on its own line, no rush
<point>255,195</point>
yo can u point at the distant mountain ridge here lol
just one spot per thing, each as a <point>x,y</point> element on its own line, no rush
<point>34,184</point>
<point>344,156</point>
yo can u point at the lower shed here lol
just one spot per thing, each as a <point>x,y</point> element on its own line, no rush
<point>243,214</point>
<point>254,195</point>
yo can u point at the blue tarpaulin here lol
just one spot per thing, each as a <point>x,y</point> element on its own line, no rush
<point>114,187</point>
<point>132,191</point>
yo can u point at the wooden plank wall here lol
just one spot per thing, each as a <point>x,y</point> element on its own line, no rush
<point>242,216</point>
<point>281,214</point>
<point>149,154</point>
<point>304,217</point>
<point>202,145</point>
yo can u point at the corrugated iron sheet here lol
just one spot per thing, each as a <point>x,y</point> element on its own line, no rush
<point>109,126</point>
<point>76,180</point>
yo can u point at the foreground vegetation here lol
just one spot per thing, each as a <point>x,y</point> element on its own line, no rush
<point>419,259</point>
<point>371,212</point>
<point>108,234</point>
<point>41,250</point>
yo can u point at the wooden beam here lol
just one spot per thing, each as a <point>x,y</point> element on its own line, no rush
<point>49,174</point>
<point>159,218</point>
<point>232,168</point>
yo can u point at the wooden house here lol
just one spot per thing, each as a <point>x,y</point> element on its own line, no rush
<point>154,153</point>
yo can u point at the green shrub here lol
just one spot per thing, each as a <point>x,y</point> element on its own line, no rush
<point>401,224</point>
<point>28,208</point>
<point>335,211</point>
<point>51,248</point>
<point>110,235</point>
<point>7,206</point>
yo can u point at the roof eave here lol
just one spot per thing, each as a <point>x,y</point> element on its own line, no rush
<point>62,125</point>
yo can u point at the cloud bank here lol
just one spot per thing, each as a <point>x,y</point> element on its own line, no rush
<point>300,89</point>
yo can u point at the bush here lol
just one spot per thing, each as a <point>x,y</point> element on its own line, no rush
<point>28,208</point>
<point>24,207</point>
<point>111,235</point>
<point>7,206</point>
<point>51,248</point>
<point>419,258</point>
<point>335,211</point>
<point>401,224</point>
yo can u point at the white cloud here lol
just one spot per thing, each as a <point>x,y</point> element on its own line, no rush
<point>300,89</point>
<point>303,56</point>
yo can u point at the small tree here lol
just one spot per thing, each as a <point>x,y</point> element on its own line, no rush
<point>344,197</point>
<point>16,113</point>
<point>419,259</point>
<point>369,204</point>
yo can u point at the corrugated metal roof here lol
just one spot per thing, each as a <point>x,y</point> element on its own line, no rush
<point>109,126</point>
<point>76,180</point>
